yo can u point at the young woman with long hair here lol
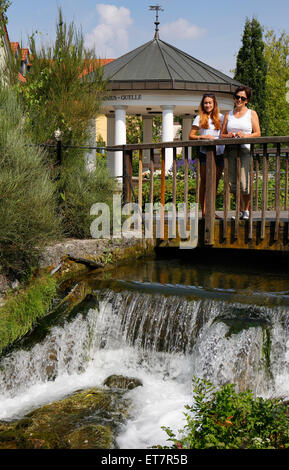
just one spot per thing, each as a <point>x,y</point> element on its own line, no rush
<point>207,125</point>
<point>241,122</point>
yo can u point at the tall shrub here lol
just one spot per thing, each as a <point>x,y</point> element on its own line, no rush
<point>64,87</point>
<point>4,5</point>
<point>79,190</point>
<point>64,91</point>
<point>27,198</point>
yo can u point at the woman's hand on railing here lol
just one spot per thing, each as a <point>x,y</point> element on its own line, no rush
<point>230,135</point>
<point>207,137</point>
<point>202,137</point>
<point>241,134</point>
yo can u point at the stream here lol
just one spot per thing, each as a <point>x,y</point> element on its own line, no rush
<point>162,321</point>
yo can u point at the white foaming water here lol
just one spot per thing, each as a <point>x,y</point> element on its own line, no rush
<point>82,354</point>
<point>164,342</point>
<point>159,402</point>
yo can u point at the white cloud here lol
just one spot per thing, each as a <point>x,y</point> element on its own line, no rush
<point>181,29</point>
<point>110,36</point>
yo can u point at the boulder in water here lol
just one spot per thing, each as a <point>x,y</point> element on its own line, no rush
<point>122,382</point>
<point>88,419</point>
<point>90,437</point>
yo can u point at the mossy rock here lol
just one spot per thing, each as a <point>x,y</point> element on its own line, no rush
<point>90,437</point>
<point>86,419</point>
<point>122,382</point>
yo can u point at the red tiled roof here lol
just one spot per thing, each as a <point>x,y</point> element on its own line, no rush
<point>89,67</point>
<point>14,46</point>
<point>21,78</point>
<point>25,53</point>
<point>105,61</point>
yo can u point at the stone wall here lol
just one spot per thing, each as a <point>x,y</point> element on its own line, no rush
<point>101,250</point>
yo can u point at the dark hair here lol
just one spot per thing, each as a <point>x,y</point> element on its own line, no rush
<point>209,95</point>
<point>246,89</point>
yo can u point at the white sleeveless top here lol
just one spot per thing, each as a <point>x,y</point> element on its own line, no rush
<point>243,124</point>
<point>210,131</point>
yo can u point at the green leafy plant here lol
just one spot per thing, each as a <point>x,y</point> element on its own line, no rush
<point>226,419</point>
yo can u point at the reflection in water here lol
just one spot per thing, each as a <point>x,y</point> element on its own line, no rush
<point>271,284</point>
<point>173,271</point>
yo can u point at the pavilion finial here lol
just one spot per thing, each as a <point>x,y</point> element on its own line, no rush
<point>156,8</point>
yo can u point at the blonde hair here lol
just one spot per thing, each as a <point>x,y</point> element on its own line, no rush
<point>215,115</point>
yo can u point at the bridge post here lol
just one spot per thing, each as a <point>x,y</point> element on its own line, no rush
<point>127,175</point>
<point>210,195</point>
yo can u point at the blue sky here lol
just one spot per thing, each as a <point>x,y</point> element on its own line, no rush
<point>210,30</point>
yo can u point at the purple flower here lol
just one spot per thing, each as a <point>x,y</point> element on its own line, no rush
<point>181,163</point>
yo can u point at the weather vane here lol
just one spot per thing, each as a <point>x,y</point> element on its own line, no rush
<point>156,8</point>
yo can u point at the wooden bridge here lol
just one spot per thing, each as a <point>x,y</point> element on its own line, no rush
<point>268,224</point>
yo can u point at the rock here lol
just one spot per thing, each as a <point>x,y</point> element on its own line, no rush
<point>122,382</point>
<point>15,284</point>
<point>96,250</point>
<point>88,419</point>
<point>4,285</point>
<point>90,437</point>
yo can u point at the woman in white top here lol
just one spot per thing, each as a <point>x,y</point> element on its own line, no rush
<point>241,122</point>
<point>207,125</point>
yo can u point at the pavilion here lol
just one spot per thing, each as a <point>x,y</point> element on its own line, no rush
<point>158,79</point>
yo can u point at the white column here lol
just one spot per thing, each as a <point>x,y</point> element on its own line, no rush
<point>119,137</point>
<point>186,129</point>
<point>168,131</point>
<point>147,136</point>
<point>110,141</point>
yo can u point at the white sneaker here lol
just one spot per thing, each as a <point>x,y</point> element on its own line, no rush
<point>246,215</point>
<point>240,216</point>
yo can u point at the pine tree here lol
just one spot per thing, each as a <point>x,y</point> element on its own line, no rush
<point>251,68</point>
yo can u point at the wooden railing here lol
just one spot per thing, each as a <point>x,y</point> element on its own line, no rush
<point>268,177</point>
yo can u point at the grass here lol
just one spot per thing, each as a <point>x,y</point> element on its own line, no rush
<point>22,310</point>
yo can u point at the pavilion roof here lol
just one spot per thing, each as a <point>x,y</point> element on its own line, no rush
<point>159,65</point>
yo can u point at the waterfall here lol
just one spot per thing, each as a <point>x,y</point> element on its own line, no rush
<point>164,340</point>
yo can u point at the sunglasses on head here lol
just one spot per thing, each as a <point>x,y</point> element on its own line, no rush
<point>238,97</point>
<point>209,95</point>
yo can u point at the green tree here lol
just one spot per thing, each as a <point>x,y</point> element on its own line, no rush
<point>251,68</point>
<point>277,58</point>
<point>134,129</point>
